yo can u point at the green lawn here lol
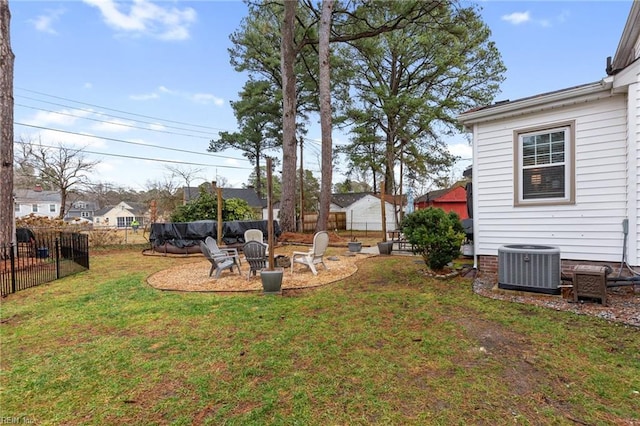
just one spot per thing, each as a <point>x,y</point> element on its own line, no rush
<point>385,346</point>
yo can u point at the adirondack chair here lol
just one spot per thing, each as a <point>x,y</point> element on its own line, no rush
<point>218,263</point>
<point>315,255</point>
<point>217,251</point>
<point>255,235</point>
<point>255,253</point>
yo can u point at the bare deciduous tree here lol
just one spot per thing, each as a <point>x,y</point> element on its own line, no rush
<point>6,126</point>
<point>188,175</point>
<point>61,168</point>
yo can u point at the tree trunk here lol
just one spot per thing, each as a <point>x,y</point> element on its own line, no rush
<point>324,87</point>
<point>289,143</point>
<point>389,177</point>
<point>7,211</point>
<point>63,202</point>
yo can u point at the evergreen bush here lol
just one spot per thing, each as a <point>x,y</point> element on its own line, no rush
<point>435,235</point>
<point>205,207</point>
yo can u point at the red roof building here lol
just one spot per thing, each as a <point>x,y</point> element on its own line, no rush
<point>453,199</point>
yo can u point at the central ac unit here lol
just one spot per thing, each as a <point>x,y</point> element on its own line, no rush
<point>533,268</point>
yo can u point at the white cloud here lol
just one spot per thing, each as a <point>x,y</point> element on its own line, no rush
<point>144,97</point>
<point>88,86</point>
<point>206,98</point>
<point>106,167</point>
<point>517,18</point>
<point>44,23</point>
<point>200,98</point>
<point>157,126</point>
<point>462,150</point>
<point>75,140</point>
<point>63,117</point>
<point>144,18</point>
<point>112,125</point>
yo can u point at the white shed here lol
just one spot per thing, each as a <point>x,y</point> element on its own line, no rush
<point>363,211</point>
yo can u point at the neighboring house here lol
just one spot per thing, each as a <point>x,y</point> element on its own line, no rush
<point>121,215</point>
<point>37,202</point>
<point>452,199</point>
<point>247,194</point>
<point>563,168</point>
<point>83,210</point>
<point>363,210</point>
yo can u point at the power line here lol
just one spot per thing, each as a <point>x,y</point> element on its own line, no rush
<point>315,141</point>
<point>118,110</point>
<point>144,158</point>
<point>114,116</point>
<point>128,142</point>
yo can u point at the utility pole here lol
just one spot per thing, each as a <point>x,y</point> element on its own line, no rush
<point>301,228</point>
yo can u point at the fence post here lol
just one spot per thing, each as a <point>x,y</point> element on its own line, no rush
<point>12,256</point>
<point>57,244</point>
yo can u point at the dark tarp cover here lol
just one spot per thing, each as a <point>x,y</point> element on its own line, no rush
<point>233,231</point>
<point>187,234</point>
<point>182,234</point>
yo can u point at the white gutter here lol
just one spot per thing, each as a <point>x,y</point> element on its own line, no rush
<point>539,102</point>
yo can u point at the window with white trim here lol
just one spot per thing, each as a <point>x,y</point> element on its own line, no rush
<point>34,208</point>
<point>124,222</point>
<point>545,166</point>
<point>52,208</point>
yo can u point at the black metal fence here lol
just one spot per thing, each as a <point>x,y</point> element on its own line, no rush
<point>45,257</point>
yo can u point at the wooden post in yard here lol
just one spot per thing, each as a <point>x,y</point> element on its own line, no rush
<point>219,199</point>
<point>383,212</point>
<point>270,237</point>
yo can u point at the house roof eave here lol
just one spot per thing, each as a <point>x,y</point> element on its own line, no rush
<point>537,102</point>
<point>625,51</point>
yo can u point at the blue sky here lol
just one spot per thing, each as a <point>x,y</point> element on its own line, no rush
<point>152,79</point>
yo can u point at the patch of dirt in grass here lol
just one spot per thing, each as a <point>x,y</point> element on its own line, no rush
<point>208,411</point>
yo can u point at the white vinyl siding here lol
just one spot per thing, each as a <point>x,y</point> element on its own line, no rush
<point>589,229</point>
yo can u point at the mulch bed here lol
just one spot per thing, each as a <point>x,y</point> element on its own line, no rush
<point>193,275</point>
<point>623,303</point>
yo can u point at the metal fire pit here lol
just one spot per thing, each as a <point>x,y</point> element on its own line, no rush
<point>282,261</point>
<point>590,281</point>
